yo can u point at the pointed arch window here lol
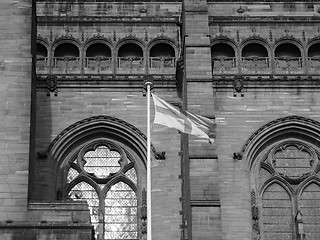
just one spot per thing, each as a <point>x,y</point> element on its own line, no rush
<point>289,190</point>
<point>104,175</point>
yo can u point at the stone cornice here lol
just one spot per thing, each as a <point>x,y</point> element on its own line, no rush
<point>264,82</point>
<point>42,20</point>
<point>106,1</point>
<point>263,19</point>
<point>264,1</point>
<point>129,82</point>
<point>205,203</point>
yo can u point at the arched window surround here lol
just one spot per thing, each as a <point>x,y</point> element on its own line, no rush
<point>289,64</point>
<point>81,137</point>
<point>71,139</point>
<point>291,131</point>
<point>63,64</point>
<point>256,64</point>
<point>99,65</point>
<point>164,64</point>
<point>43,63</point>
<point>228,65</point>
<point>313,62</point>
<point>125,65</point>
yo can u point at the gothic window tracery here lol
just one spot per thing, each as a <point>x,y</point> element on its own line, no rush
<point>104,175</point>
<point>289,189</point>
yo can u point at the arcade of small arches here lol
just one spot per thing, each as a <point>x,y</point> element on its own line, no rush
<point>99,56</point>
<point>258,57</point>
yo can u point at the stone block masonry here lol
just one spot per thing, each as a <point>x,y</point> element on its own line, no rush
<point>15,102</point>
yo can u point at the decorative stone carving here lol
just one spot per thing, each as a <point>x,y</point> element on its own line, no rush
<point>237,156</point>
<point>255,217</point>
<point>143,227</point>
<point>52,85</point>
<point>238,86</point>
<point>42,155</point>
<point>240,10</point>
<point>160,155</point>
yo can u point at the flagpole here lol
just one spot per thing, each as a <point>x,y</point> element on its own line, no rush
<point>149,233</point>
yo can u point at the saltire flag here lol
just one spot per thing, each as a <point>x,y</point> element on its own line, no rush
<point>169,116</point>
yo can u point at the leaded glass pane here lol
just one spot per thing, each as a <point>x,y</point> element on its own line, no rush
<point>72,174</point>
<point>84,191</point>
<point>121,212</point>
<point>102,161</point>
<point>132,175</point>
<point>310,209</point>
<point>276,213</point>
<point>292,161</point>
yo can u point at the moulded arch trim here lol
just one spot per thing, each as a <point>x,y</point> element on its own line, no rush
<point>74,166</point>
<point>294,127</point>
<point>278,180</point>
<point>128,167</point>
<point>292,41</point>
<point>256,40</point>
<point>163,39</point>
<point>312,42</point>
<point>312,179</point>
<point>224,40</point>
<point>80,179</point>
<point>61,40</point>
<point>44,42</point>
<point>93,128</point>
<point>130,39</point>
<point>267,167</point>
<point>95,40</point>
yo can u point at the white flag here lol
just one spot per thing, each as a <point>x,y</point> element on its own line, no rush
<point>167,115</point>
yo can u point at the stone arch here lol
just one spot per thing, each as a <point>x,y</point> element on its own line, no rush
<point>79,180</point>
<point>162,40</point>
<point>283,152</point>
<point>68,143</point>
<point>290,41</point>
<point>42,54</point>
<point>313,179</point>
<point>93,128</point>
<point>117,180</point>
<point>315,43</point>
<point>162,53</point>
<point>43,42</point>
<point>276,180</point>
<point>98,40</point>
<point>225,40</point>
<point>224,55</point>
<point>295,127</point>
<point>256,40</point>
<point>130,39</point>
<point>62,40</point>
<point>64,43</point>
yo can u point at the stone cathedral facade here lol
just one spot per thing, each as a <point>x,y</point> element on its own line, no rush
<point>73,119</point>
